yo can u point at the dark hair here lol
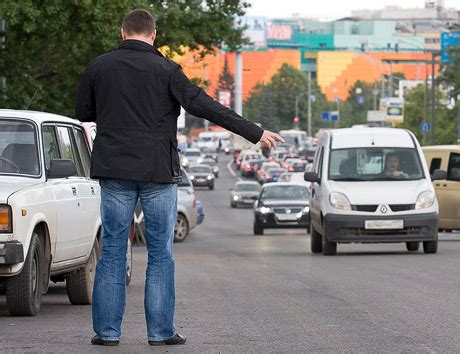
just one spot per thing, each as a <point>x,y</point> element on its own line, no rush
<point>138,22</point>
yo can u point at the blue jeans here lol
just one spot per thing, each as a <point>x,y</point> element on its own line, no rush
<point>118,201</point>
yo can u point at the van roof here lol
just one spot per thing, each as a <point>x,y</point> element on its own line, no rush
<point>442,148</point>
<point>371,137</point>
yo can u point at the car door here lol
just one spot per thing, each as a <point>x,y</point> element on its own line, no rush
<point>438,160</point>
<point>451,191</point>
<point>315,200</point>
<point>89,194</point>
<point>57,142</point>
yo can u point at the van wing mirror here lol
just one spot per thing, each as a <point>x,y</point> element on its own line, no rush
<point>311,177</point>
<point>61,168</point>
<point>438,175</point>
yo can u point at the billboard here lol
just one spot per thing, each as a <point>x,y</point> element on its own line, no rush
<point>448,40</point>
<point>256,30</point>
<point>279,32</point>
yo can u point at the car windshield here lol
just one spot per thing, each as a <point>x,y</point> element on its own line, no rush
<point>247,187</point>
<point>200,169</point>
<point>209,162</point>
<point>375,164</point>
<point>275,172</point>
<point>18,148</point>
<point>285,192</point>
<point>192,153</point>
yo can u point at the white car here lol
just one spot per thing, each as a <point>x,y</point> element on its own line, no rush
<point>49,209</point>
<point>191,156</point>
<point>372,185</point>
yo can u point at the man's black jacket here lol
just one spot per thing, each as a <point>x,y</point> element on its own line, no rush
<point>134,95</point>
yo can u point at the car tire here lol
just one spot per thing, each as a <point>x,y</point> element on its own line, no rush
<point>211,187</point>
<point>80,283</point>
<point>24,290</point>
<point>316,241</point>
<point>412,246</point>
<point>129,262</point>
<point>181,229</point>
<point>329,248</point>
<point>217,175</point>
<point>430,247</point>
<point>258,229</point>
<point>233,205</point>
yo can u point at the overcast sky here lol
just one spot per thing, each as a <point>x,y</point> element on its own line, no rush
<point>328,9</point>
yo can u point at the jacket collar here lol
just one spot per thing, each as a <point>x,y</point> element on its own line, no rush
<point>134,44</point>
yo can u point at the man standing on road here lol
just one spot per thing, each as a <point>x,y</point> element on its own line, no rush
<point>134,95</point>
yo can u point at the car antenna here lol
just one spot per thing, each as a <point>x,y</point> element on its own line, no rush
<point>372,137</point>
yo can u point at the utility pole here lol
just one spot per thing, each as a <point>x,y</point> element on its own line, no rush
<point>239,83</point>
<point>458,119</point>
<point>433,101</point>
<point>309,105</point>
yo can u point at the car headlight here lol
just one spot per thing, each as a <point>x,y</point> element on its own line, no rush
<point>6,224</point>
<point>339,201</point>
<point>200,160</point>
<point>184,161</point>
<point>306,210</point>
<point>192,177</point>
<point>215,169</point>
<point>236,197</point>
<point>424,200</point>
<point>210,177</point>
<point>265,210</point>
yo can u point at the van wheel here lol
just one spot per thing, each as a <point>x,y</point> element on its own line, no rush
<point>316,241</point>
<point>80,283</point>
<point>329,248</point>
<point>181,229</point>
<point>24,291</point>
<point>258,229</point>
<point>412,246</point>
<point>430,246</point>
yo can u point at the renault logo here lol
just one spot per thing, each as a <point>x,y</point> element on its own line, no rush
<point>383,209</point>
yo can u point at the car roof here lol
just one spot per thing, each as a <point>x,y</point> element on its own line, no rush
<point>371,137</point>
<point>38,117</point>
<point>283,184</point>
<point>442,148</point>
<point>247,182</point>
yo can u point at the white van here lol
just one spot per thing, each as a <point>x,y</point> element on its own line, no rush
<point>372,185</point>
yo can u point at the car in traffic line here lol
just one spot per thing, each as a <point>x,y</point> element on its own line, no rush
<point>191,156</point>
<point>214,166</point>
<point>244,193</point>
<point>201,176</point>
<point>372,185</point>
<point>282,205</point>
<point>49,209</point>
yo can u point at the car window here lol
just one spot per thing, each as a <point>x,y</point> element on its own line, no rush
<point>83,150</point>
<point>68,148</point>
<point>453,169</point>
<point>50,145</point>
<point>435,164</point>
<point>192,153</point>
<point>285,192</point>
<point>247,187</point>
<point>18,148</point>
<point>200,169</point>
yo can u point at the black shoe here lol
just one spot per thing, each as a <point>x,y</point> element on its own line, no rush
<point>176,340</point>
<point>96,340</point>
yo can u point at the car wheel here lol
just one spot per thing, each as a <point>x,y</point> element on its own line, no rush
<point>233,205</point>
<point>211,187</point>
<point>24,290</point>
<point>316,241</point>
<point>412,246</point>
<point>217,175</point>
<point>258,229</point>
<point>430,246</point>
<point>80,283</point>
<point>181,229</point>
<point>129,262</point>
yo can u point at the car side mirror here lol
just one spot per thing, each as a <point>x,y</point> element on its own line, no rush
<point>438,175</point>
<point>311,177</point>
<point>60,168</point>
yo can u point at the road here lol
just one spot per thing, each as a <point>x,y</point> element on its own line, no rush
<point>242,293</point>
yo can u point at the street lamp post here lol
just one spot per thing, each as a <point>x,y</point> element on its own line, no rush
<point>458,119</point>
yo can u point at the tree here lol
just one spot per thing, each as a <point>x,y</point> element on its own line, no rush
<point>273,104</point>
<point>226,83</point>
<point>49,43</point>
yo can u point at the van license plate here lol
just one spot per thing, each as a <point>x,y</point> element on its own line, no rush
<point>383,224</point>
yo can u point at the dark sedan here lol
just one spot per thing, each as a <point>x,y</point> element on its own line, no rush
<point>202,176</point>
<point>244,193</point>
<point>282,205</point>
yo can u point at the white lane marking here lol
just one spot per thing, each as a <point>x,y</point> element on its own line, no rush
<point>233,173</point>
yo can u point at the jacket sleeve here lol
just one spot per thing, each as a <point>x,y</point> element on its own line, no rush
<point>85,107</point>
<point>197,102</point>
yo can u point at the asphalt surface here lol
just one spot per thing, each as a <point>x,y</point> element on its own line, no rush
<point>242,293</point>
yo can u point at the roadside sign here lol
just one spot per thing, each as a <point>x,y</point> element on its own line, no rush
<point>425,127</point>
<point>325,116</point>
<point>335,116</point>
<point>360,99</point>
<point>376,116</point>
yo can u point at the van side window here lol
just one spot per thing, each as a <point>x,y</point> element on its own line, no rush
<point>319,171</point>
<point>435,164</point>
<point>453,169</point>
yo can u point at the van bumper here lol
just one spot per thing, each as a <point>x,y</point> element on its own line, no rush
<point>11,253</point>
<point>351,228</point>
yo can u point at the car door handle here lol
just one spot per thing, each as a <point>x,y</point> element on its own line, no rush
<point>74,191</point>
<point>92,191</point>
